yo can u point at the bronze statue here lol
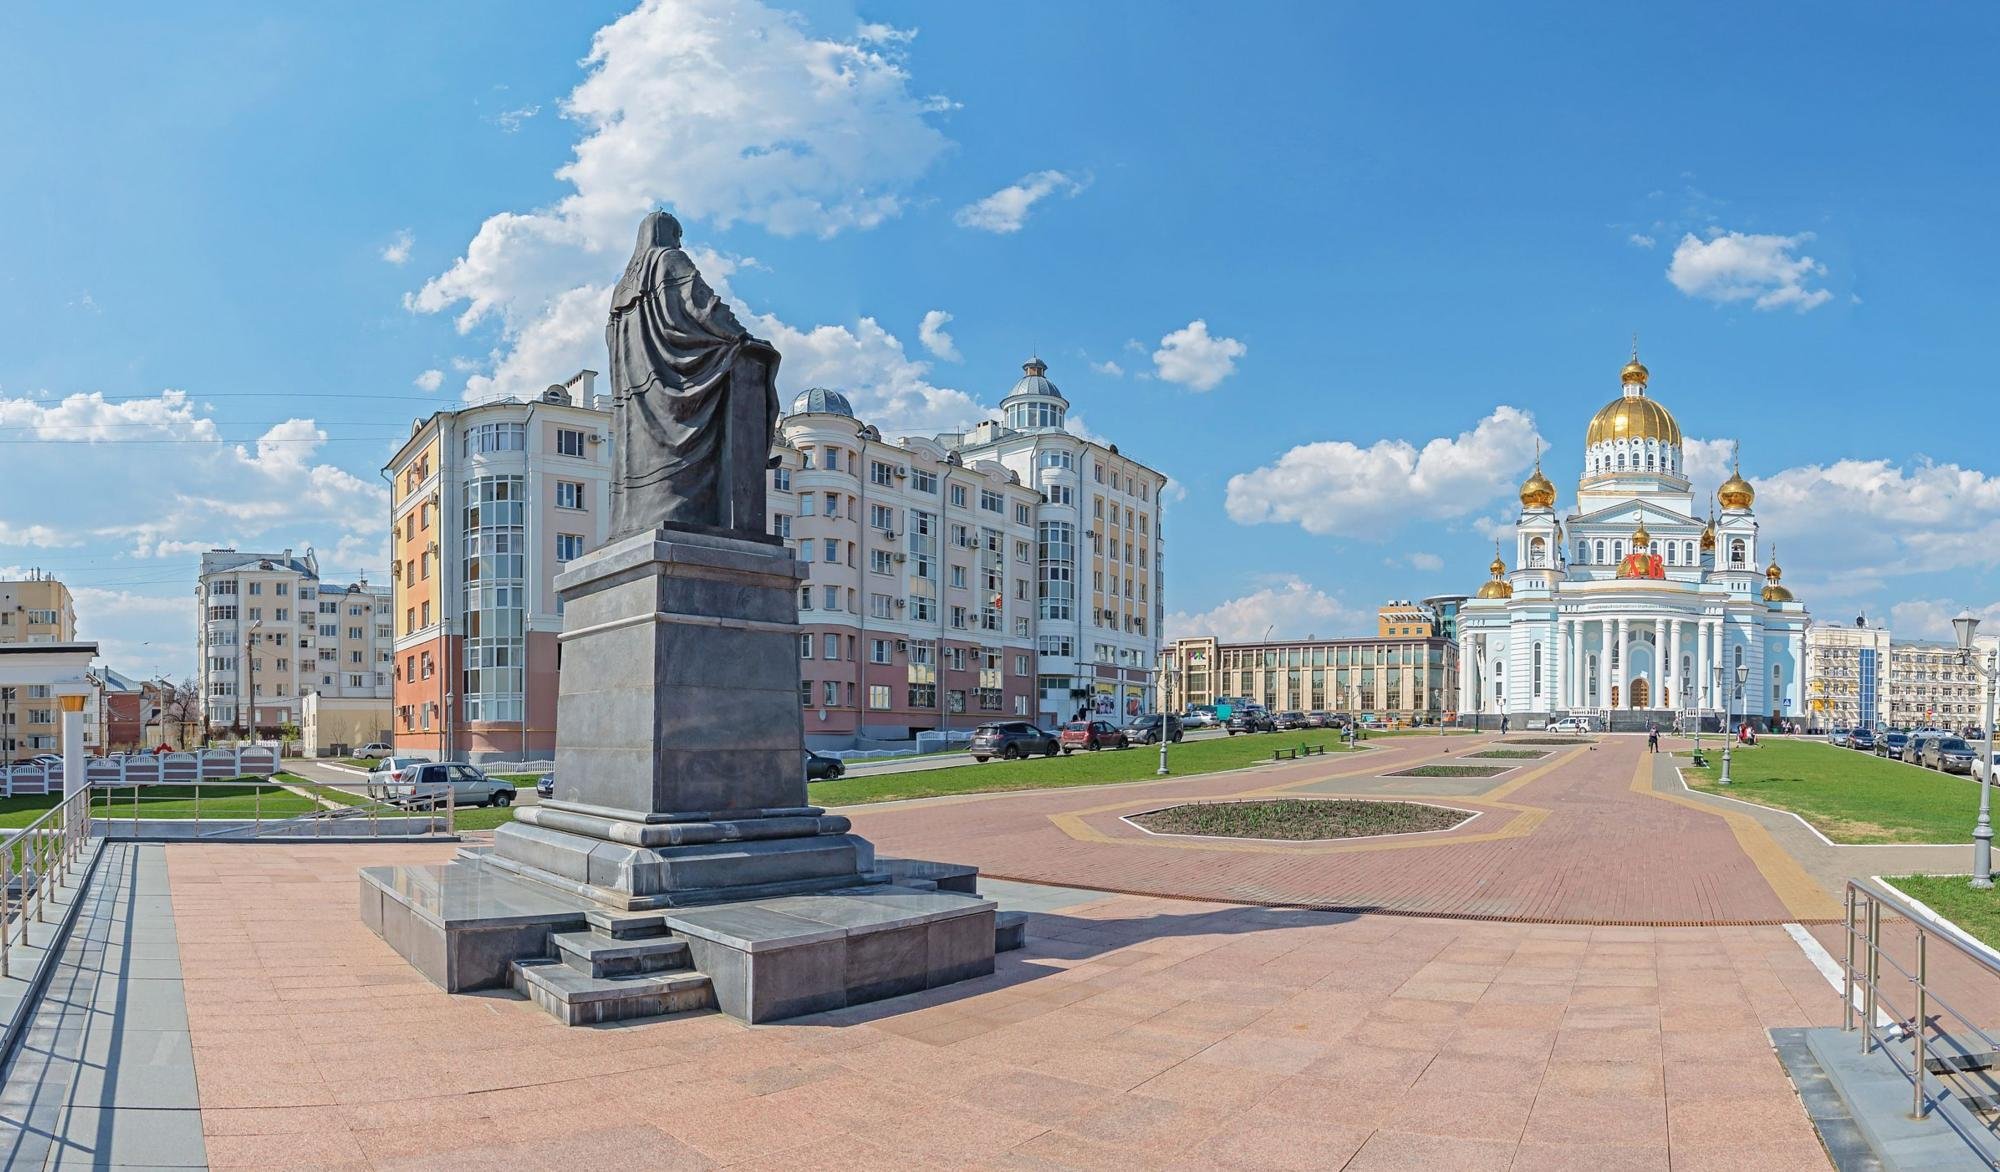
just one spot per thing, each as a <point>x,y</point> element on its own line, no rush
<point>694,398</point>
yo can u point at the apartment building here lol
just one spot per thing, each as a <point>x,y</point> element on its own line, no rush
<point>1413,679</point>
<point>1402,618</point>
<point>271,632</point>
<point>488,503</point>
<point>1098,512</point>
<point>38,609</point>
<point>918,610</point>
<point>1849,676</point>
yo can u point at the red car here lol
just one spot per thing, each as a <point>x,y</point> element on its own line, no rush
<point>1092,735</point>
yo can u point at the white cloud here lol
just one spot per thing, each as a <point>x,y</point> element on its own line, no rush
<point>1108,368</point>
<point>1640,240</point>
<point>932,334</point>
<point>1194,358</point>
<point>1289,608</point>
<point>1334,487</point>
<point>1734,266</point>
<point>1006,210</point>
<point>887,387</point>
<point>1425,561</point>
<point>510,121</point>
<point>1930,618</point>
<point>397,251</point>
<point>429,380</point>
<point>723,110</point>
<point>36,536</point>
<point>883,34</point>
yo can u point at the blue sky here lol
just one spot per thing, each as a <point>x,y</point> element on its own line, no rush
<point>1414,241</point>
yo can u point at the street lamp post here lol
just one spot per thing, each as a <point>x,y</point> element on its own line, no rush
<point>1965,626</point>
<point>1165,684</point>
<point>1726,738</point>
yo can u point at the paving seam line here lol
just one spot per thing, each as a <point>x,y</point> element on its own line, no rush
<point>1797,890</point>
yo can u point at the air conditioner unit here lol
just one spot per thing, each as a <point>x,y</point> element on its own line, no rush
<point>902,472</point>
<point>1090,533</point>
<point>901,557</point>
<point>902,645</point>
<point>900,604</point>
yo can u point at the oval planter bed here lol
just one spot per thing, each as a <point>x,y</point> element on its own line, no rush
<point>1300,819</point>
<point>1452,771</point>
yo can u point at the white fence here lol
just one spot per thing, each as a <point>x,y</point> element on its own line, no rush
<point>145,769</point>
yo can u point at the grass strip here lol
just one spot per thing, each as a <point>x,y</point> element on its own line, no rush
<point>1849,796</point>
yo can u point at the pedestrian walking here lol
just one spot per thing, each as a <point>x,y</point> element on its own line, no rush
<point>1652,738</point>
<point>1503,724</point>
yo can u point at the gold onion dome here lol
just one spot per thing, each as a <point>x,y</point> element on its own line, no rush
<point>1498,587</point>
<point>1641,539</point>
<point>1536,491</point>
<point>1773,592</point>
<point>1632,415</point>
<point>1708,536</point>
<point>1736,492</point>
<point>1634,372</point>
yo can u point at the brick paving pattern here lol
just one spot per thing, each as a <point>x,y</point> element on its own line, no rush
<point>1133,1032</point>
<point>1580,836</point>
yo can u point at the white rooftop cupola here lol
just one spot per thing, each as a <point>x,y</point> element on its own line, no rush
<point>1035,404</point>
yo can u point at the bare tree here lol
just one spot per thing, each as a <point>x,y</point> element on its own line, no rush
<point>180,709</point>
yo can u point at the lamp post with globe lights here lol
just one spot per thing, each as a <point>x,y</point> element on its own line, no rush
<point>1965,626</point>
<point>1716,692</point>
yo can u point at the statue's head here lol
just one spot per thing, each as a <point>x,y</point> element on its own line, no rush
<point>659,230</point>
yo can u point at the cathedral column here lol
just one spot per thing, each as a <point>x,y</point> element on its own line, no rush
<point>1674,658</point>
<point>1623,671</point>
<point>1579,689</point>
<point>1660,696</point>
<point>1604,633</point>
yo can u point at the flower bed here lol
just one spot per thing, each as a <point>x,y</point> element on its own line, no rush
<point>1300,819</point>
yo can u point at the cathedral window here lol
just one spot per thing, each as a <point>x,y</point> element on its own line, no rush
<point>1537,552</point>
<point>1600,553</point>
<point>1617,551</point>
<point>1736,553</point>
<point>1673,553</point>
<point>1538,669</point>
<point>1649,461</point>
<point>1583,552</point>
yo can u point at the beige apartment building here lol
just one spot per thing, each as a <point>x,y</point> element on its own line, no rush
<point>1412,679</point>
<point>271,632</point>
<point>1403,619</point>
<point>488,503</point>
<point>1849,676</point>
<point>38,609</point>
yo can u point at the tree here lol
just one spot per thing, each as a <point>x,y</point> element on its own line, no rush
<point>180,710</point>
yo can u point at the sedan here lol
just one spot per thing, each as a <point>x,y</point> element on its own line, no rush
<point>820,767</point>
<point>1950,754</point>
<point>545,785</point>
<point>1890,744</point>
<point>1861,738</point>
<point>467,785</point>
<point>1199,719</point>
<point>1146,730</point>
<point>1291,720</point>
<point>374,751</point>
<point>1092,735</point>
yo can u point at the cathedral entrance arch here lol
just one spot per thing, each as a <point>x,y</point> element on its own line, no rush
<point>1639,692</point>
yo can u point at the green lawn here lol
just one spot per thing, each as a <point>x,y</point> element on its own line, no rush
<point>1105,767</point>
<point>1953,897</point>
<point>1851,797</point>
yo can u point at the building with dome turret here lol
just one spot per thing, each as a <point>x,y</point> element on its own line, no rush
<point>1635,605</point>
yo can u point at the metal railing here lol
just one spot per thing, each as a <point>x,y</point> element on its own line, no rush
<point>34,861</point>
<point>1885,1024</point>
<point>272,809</point>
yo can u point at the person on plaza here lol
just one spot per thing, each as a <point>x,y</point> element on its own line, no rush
<point>1652,738</point>
<point>1503,724</point>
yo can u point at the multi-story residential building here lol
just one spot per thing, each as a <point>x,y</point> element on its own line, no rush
<point>1098,514</point>
<point>272,632</point>
<point>918,610</point>
<point>1413,679</point>
<point>1849,676</point>
<point>38,609</point>
<point>1933,684</point>
<point>488,503</point>
<point>1403,619</point>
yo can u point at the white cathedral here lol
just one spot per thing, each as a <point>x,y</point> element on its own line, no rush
<point>1631,608</point>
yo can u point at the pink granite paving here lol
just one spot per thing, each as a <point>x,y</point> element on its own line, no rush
<point>1601,852</point>
<point>1133,1032</point>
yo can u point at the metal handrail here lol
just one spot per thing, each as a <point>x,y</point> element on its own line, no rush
<point>374,809</point>
<point>48,848</point>
<point>1863,974</point>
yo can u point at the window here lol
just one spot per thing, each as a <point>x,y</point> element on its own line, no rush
<point>831,598</point>
<point>880,473</point>
<point>833,504</point>
<point>805,693</point>
<point>833,459</point>
<point>1020,665</point>
<point>781,479</point>
<point>881,606</point>
<point>805,598</point>
<point>806,551</point>
<point>878,696</point>
<point>958,617</point>
<point>496,437</point>
<point>831,550</point>
<point>992,501</point>
<point>958,496</point>
<point>958,577</point>
<point>881,561</point>
<point>878,650</point>
<point>829,692</point>
<point>882,517</point>
<point>806,645</point>
<point>832,645</point>
<point>569,494</point>
<point>1059,494</point>
<point>806,505</point>
<point>569,546</point>
<point>781,525</point>
<point>922,481</point>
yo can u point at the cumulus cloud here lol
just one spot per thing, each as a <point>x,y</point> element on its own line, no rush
<point>36,536</point>
<point>1108,368</point>
<point>1766,271</point>
<point>1194,358</point>
<point>1290,607</point>
<point>397,251</point>
<point>724,110</point>
<point>1334,487</point>
<point>1006,210</point>
<point>511,121</point>
<point>1640,240</point>
<point>1425,561</point>
<point>1930,618</point>
<point>429,380</point>
<point>932,334</point>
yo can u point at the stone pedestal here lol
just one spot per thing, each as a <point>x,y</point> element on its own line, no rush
<point>680,819</point>
<point>679,735</point>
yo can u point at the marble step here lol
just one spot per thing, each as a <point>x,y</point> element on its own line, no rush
<point>599,955</point>
<point>1010,930</point>
<point>576,998</point>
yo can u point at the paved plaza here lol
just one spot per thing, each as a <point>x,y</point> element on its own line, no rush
<point>1533,993</point>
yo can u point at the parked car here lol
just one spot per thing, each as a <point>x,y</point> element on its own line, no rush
<point>1290,720</point>
<point>1890,744</point>
<point>1251,720</point>
<point>1569,724</point>
<point>1861,738</point>
<point>1837,737</point>
<point>545,785</point>
<point>467,784</point>
<point>1913,749</point>
<point>1146,730</point>
<point>1343,720</point>
<point>1949,754</point>
<point>384,775</point>
<point>373,751</point>
<point>1092,735</point>
<point>1319,719</point>
<point>820,767</point>
<point>1011,739</point>
<point>1200,718</point>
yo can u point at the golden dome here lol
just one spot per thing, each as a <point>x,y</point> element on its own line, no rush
<point>1774,592</point>
<point>1708,537</point>
<point>1498,587</point>
<point>1633,416</point>
<point>1641,539</point>
<point>1735,492</point>
<point>1634,372</point>
<point>1536,491</point>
